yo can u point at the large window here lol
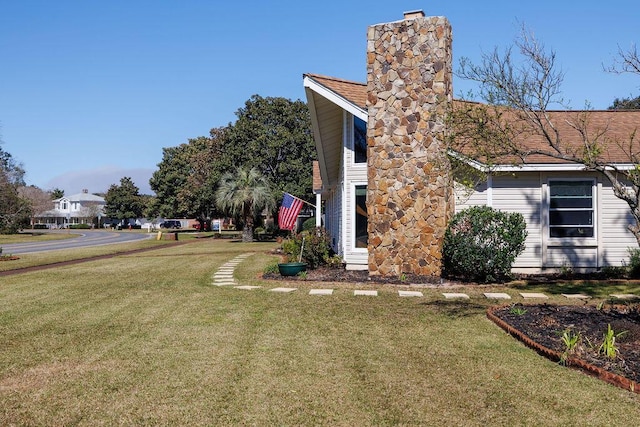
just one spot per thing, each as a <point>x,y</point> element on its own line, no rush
<point>359,140</point>
<point>362,235</point>
<point>571,208</point>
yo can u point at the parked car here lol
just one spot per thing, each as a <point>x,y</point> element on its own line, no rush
<point>171,224</point>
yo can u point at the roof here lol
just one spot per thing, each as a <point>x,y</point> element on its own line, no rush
<point>83,197</point>
<point>619,124</point>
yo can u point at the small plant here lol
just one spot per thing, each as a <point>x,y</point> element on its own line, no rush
<point>302,275</point>
<point>608,346</point>
<point>335,261</point>
<point>316,247</point>
<point>403,277</point>
<point>570,341</point>
<point>517,310</point>
<point>271,269</point>
<point>633,268</point>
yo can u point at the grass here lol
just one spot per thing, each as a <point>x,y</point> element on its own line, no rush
<point>146,339</point>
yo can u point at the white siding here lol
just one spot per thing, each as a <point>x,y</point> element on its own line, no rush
<point>354,174</point>
<point>333,214</point>
<point>521,193</point>
<point>615,237</point>
<point>514,194</point>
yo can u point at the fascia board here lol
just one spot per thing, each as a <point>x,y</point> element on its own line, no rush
<point>335,98</point>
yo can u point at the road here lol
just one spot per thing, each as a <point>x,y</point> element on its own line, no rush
<point>82,240</point>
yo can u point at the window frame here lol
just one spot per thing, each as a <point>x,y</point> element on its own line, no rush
<point>592,209</point>
<point>354,204</point>
<point>355,161</point>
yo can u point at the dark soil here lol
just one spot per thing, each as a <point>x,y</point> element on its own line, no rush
<point>545,324</point>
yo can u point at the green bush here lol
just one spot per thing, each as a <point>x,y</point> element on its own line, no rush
<point>316,249</point>
<point>309,224</point>
<point>481,244</point>
<point>633,269</point>
<point>79,226</point>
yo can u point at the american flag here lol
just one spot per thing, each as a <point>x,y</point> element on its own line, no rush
<point>288,213</point>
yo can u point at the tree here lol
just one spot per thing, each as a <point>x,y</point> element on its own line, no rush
<point>626,104</point>
<point>123,201</point>
<point>185,181</point>
<point>14,210</point>
<point>245,194</point>
<point>273,135</point>
<point>518,95</point>
<point>57,193</point>
<point>39,200</point>
<point>627,62</point>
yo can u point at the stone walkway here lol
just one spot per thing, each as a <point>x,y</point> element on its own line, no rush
<point>224,277</point>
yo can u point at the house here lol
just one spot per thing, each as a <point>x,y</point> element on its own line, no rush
<point>385,196</point>
<point>80,208</point>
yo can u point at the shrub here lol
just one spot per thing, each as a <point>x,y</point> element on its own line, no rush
<point>79,226</point>
<point>633,269</point>
<point>309,224</point>
<point>481,244</point>
<point>316,249</point>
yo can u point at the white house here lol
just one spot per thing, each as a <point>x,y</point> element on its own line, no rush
<point>573,217</point>
<point>80,208</point>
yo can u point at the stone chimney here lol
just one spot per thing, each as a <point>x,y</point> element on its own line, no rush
<point>409,199</point>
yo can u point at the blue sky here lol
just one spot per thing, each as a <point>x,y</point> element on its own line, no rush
<point>92,91</point>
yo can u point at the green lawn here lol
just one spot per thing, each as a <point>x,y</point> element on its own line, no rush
<point>147,340</point>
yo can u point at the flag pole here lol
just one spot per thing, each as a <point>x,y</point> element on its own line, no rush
<point>303,201</point>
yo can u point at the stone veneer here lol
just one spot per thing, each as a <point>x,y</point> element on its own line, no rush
<point>409,199</point>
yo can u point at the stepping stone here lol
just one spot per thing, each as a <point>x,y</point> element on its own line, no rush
<point>625,296</point>
<point>528,295</point>
<point>410,294</point>
<point>321,292</point>
<point>285,290</point>
<point>497,295</point>
<point>576,296</point>
<point>223,276</point>
<point>366,293</point>
<point>452,295</point>
<point>248,287</point>
<point>224,283</point>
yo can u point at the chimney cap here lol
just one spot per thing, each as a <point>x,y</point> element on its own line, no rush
<point>413,14</point>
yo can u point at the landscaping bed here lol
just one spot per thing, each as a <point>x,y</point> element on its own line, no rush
<point>542,327</point>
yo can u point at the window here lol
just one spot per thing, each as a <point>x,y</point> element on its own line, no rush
<point>361,233</point>
<point>359,140</point>
<point>571,208</point>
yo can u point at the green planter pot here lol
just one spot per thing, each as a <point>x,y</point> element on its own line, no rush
<point>291,268</point>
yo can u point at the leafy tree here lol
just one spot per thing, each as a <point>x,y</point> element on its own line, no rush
<point>14,210</point>
<point>123,201</point>
<point>57,193</point>
<point>273,135</point>
<point>519,92</point>
<point>245,194</point>
<point>185,181</point>
<point>626,104</point>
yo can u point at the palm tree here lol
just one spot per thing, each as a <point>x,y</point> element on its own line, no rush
<point>244,193</point>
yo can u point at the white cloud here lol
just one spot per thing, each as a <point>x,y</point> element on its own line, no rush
<point>99,180</point>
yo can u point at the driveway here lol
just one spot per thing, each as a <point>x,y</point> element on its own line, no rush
<point>82,239</point>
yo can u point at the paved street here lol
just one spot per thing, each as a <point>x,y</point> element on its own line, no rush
<point>82,239</point>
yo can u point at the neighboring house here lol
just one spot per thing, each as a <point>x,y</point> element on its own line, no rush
<point>573,218</point>
<point>80,208</point>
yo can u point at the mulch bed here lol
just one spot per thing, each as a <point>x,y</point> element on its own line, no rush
<point>542,326</point>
